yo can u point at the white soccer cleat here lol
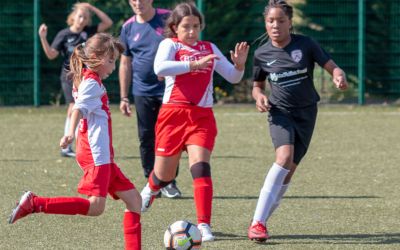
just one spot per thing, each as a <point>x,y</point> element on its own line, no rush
<point>67,152</point>
<point>148,197</point>
<point>206,234</point>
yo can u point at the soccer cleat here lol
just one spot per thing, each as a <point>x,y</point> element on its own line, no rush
<point>258,232</point>
<point>171,191</point>
<point>24,207</point>
<point>67,152</point>
<point>148,197</point>
<point>206,234</point>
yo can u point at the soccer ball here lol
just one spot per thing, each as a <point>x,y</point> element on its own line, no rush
<point>182,235</point>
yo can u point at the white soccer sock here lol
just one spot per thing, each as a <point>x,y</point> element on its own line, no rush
<point>66,126</point>
<point>66,130</point>
<point>278,199</point>
<point>269,192</point>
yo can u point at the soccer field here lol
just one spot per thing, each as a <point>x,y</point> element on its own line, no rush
<point>344,195</point>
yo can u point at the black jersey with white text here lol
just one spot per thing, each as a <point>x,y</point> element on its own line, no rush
<point>66,40</point>
<point>290,71</point>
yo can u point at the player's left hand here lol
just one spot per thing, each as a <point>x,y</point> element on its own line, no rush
<point>239,56</point>
<point>340,81</point>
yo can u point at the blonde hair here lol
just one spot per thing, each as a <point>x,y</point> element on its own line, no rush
<point>75,8</point>
<point>91,53</point>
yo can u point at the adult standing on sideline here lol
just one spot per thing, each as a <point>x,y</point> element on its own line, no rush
<point>141,35</point>
<point>78,31</point>
<point>287,60</point>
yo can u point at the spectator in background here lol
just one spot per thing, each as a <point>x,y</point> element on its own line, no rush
<point>78,31</point>
<point>141,35</point>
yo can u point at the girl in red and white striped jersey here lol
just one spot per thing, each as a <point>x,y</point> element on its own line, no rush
<point>90,63</point>
<point>186,120</point>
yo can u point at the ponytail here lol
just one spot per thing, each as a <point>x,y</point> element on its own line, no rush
<point>90,54</point>
<point>76,64</point>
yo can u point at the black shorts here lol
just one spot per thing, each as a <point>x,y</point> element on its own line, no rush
<point>293,127</point>
<point>66,84</point>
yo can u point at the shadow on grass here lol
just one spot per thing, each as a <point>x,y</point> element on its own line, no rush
<point>378,239</point>
<point>286,197</point>
<point>299,197</point>
<point>126,157</point>
<point>332,197</point>
<point>231,157</point>
<point>17,160</point>
<point>369,239</point>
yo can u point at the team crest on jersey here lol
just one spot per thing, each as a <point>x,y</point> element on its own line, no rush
<point>296,55</point>
<point>136,37</point>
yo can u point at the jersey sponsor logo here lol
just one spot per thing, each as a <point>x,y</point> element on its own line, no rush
<point>70,40</point>
<point>296,55</point>
<point>276,76</point>
<point>137,36</point>
<point>271,62</point>
<point>161,149</point>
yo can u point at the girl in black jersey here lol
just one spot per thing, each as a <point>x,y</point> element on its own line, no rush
<point>287,61</point>
<point>79,30</point>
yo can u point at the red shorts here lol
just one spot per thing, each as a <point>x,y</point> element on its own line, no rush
<point>100,180</point>
<point>181,125</point>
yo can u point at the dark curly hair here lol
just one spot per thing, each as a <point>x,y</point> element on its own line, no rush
<point>279,4</point>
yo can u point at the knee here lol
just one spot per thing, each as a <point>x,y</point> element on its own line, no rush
<point>96,209</point>
<point>284,159</point>
<point>200,170</point>
<point>134,203</point>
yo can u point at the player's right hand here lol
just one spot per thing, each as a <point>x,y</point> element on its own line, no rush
<point>262,103</point>
<point>125,108</point>
<point>43,30</point>
<point>66,140</point>
<point>206,61</point>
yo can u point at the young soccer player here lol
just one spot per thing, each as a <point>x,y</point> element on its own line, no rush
<point>90,63</point>
<point>186,120</point>
<point>78,31</point>
<point>287,60</point>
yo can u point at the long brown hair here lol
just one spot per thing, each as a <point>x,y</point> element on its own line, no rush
<point>178,13</point>
<point>91,53</point>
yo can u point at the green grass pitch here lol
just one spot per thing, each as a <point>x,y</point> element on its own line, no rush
<point>345,194</point>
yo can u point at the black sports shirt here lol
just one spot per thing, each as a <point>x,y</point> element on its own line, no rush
<point>66,40</point>
<point>290,71</point>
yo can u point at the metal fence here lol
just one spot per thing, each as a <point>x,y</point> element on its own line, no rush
<point>372,54</point>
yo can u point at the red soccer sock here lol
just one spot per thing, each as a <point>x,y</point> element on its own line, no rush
<point>61,205</point>
<point>203,194</point>
<point>132,231</point>
<point>152,182</point>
